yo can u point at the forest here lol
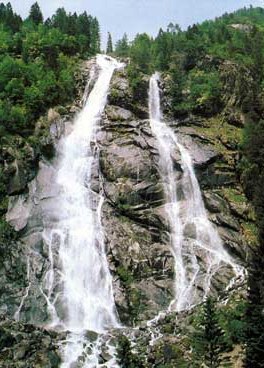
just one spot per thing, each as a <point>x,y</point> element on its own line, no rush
<point>38,61</point>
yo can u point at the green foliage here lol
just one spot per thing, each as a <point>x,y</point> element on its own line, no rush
<point>204,91</point>
<point>253,178</point>
<point>125,275</point>
<point>38,62</point>
<point>134,297</point>
<point>135,77</point>
<point>254,312</point>
<point>125,357</point>
<point>109,46</point>
<point>10,20</point>
<point>170,356</point>
<point>208,339</point>
<point>192,60</point>
<point>35,14</point>
<point>140,52</point>
<point>253,168</point>
<point>161,50</point>
<point>122,47</point>
<point>83,32</point>
<point>7,234</point>
<point>233,322</point>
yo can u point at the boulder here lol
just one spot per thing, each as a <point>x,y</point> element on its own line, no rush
<point>18,178</point>
<point>116,113</point>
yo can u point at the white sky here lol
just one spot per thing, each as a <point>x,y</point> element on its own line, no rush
<point>137,16</point>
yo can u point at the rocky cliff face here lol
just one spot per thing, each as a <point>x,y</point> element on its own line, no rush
<point>136,227</point>
<point>134,219</point>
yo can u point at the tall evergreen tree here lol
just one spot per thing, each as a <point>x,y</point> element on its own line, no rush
<point>125,357</point>
<point>109,46</point>
<point>122,46</point>
<point>95,36</point>
<point>60,20</point>
<point>208,341</point>
<point>35,14</point>
<point>84,32</point>
<point>254,313</point>
<point>140,52</point>
<point>253,177</point>
<point>11,20</point>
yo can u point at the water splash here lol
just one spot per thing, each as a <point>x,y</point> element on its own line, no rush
<point>184,215</point>
<point>87,283</point>
<point>78,284</point>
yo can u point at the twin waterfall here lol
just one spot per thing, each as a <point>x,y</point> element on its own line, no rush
<point>185,213</point>
<point>78,285</point>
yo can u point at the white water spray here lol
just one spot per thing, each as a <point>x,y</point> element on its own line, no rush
<point>87,283</point>
<point>80,297</point>
<point>185,215</point>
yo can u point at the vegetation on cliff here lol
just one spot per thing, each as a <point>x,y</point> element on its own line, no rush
<point>215,69</point>
<point>38,60</point>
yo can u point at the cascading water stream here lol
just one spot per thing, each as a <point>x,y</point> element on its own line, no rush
<point>85,296</point>
<point>186,213</point>
<point>87,281</point>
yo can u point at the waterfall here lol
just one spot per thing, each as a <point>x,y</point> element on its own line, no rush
<point>199,256</point>
<point>85,297</point>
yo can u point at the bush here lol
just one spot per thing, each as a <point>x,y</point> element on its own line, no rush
<point>125,357</point>
<point>204,91</point>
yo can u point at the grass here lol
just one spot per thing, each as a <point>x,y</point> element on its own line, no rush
<point>250,233</point>
<point>234,195</point>
<point>222,134</point>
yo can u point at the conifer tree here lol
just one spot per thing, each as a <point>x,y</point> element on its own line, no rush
<point>125,357</point>
<point>254,313</point>
<point>109,47</point>
<point>95,36</point>
<point>35,14</point>
<point>122,46</point>
<point>208,340</point>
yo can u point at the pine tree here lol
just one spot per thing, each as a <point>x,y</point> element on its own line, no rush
<point>122,46</point>
<point>253,178</point>
<point>95,36</point>
<point>60,20</point>
<point>254,313</point>
<point>10,19</point>
<point>35,14</point>
<point>109,47</point>
<point>125,356</point>
<point>208,340</point>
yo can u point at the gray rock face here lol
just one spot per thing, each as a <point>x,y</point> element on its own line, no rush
<point>116,113</point>
<point>28,214</point>
<point>135,222</point>
<point>27,346</point>
<point>121,95</point>
<point>25,263</point>
<point>134,218</point>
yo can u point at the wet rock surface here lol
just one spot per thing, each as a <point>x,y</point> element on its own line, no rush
<point>134,217</point>
<point>27,346</point>
<point>135,220</point>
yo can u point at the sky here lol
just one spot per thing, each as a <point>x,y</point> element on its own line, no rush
<point>137,16</point>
